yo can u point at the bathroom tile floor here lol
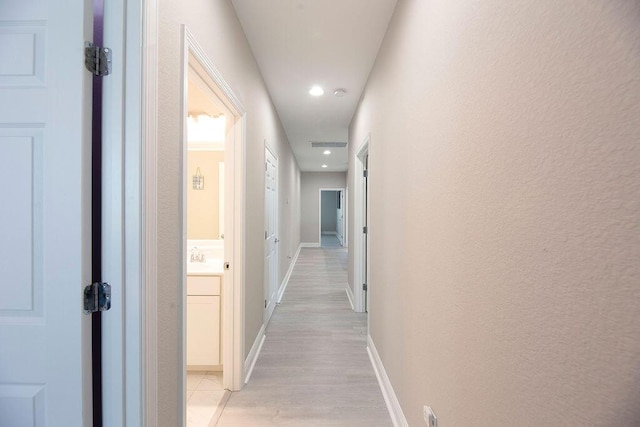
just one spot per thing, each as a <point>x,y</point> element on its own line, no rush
<point>204,394</point>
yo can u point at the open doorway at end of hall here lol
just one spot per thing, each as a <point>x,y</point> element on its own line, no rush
<point>332,217</point>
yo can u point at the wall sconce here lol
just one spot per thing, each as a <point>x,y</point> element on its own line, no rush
<point>198,180</point>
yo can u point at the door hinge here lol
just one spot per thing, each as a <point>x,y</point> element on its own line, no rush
<point>265,235</point>
<point>227,266</point>
<point>97,59</point>
<point>365,173</point>
<point>97,297</point>
<point>365,229</point>
<point>265,303</point>
<point>364,286</point>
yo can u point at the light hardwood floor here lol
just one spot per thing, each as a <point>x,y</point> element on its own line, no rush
<point>313,369</point>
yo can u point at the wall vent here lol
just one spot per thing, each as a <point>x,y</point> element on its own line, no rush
<point>328,144</point>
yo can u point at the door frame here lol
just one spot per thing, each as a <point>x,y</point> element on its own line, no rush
<point>129,213</point>
<point>344,221</point>
<point>233,285</point>
<point>358,222</point>
<point>267,314</point>
<point>130,249</point>
<point>148,71</point>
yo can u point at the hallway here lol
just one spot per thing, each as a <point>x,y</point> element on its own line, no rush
<point>313,369</point>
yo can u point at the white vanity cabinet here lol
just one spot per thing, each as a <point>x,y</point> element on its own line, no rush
<point>203,320</point>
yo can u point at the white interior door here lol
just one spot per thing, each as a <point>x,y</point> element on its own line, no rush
<point>271,233</point>
<point>45,183</point>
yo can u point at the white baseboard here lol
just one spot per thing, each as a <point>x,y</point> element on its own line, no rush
<point>329,233</point>
<point>285,281</point>
<point>252,358</point>
<point>390,398</point>
<point>350,296</point>
<point>309,245</point>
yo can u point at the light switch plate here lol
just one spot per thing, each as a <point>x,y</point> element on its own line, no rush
<point>430,417</point>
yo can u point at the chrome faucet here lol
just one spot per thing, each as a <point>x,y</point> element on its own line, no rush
<point>196,255</point>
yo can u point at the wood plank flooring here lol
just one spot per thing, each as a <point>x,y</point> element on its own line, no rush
<point>313,369</point>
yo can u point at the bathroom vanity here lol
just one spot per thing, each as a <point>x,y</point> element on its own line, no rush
<point>203,320</point>
<point>204,291</point>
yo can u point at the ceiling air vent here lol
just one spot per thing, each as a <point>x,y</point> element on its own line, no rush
<point>328,144</point>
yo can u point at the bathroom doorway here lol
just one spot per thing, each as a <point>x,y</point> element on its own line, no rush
<point>213,144</point>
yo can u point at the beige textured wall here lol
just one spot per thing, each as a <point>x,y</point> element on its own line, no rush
<point>505,210</point>
<point>311,183</point>
<point>215,26</point>
<point>203,206</point>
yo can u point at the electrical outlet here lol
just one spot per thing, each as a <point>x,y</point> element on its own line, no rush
<point>430,417</point>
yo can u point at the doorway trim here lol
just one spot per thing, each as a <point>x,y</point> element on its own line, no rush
<point>344,221</point>
<point>358,222</point>
<point>233,285</point>
<point>129,218</point>
<point>146,206</point>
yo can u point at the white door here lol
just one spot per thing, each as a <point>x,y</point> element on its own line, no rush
<point>45,224</point>
<point>271,233</point>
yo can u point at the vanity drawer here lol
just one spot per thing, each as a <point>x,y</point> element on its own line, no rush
<point>203,285</point>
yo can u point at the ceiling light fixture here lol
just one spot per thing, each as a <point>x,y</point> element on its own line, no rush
<point>316,91</point>
<point>327,152</point>
<point>324,166</point>
<point>340,92</point>
<point>202,127</point>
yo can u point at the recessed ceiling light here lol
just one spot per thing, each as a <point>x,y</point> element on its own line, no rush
<point>316,91</point>
<point>324,166</point>
<point>340,92</point>
<point>327,152</point>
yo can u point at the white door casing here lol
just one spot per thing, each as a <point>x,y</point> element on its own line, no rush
<point>45,248</point>
<point>360,219</point>
<point>194,57</point>
<point>271,233</point>
<point>339,190</point>
<point>365,232</point>
<point>221,196</point>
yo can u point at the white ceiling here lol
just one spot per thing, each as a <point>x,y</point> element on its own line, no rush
<point>301,43</point>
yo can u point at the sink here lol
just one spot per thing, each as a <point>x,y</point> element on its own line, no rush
<point>211,266</point>
<point>210,251</point>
